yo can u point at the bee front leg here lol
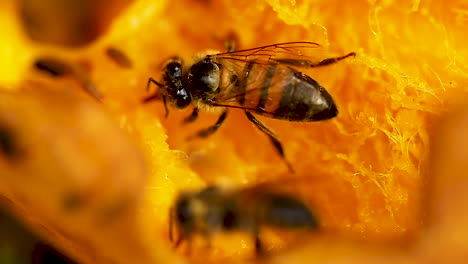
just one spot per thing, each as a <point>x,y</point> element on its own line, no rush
<point>181,236</point>
<point>208,243</point>
<point>179,240</point>
<point>189,247</point>
<point>210,130</point>
<point>274,140</point>
<point>171,225</point>
<point>192,117</point>
<point>258,246</point>
<point>259,252</point>
<point>230,46</point>
<point>154,97</point>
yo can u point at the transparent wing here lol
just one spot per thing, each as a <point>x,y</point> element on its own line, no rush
<point>276,53</point>
<point>250,67</point>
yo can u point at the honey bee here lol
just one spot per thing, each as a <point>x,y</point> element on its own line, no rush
<point>262,80</point>
<point>213,210</point>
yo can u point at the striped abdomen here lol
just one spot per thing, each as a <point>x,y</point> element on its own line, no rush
<point>282,92</point>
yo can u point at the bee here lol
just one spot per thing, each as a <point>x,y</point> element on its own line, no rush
<point>213,210</point>
<point>264,81</point>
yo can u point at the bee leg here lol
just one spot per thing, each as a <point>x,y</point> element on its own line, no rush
<point>189,247</point>
<point>232,41</point>
<point>180,237</point>
<point>150,81</point>
<point>165,107</point>
<point>192,117</point>
<point>274,140</point>
<point>171,225</point>
<point>258,245</point>
<point>329,61</point>
<point>208,244</point>
<point>152,97</point>
<point>230,46</point>
<point>179,240</point>
<point>155,96</point>
<point>210,130</point>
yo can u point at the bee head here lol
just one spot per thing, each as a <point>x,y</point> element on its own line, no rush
<point>190,212</point>
<point>171,87</point>
<point>183,213</point>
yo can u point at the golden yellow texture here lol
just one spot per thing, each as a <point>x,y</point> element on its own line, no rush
<point>364,173</point>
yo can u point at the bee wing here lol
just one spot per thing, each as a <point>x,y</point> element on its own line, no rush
<point>290,53</point>
<point>283,56</point>
<point>278,207</point>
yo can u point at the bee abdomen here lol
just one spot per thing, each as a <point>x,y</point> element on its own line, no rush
<point>286,212</point>
<point>303,99</point>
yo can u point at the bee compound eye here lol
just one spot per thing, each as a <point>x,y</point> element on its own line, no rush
<point>230,220</point>
<point>182,99</point>
<point>174,69</point>
<point>183,211</point>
